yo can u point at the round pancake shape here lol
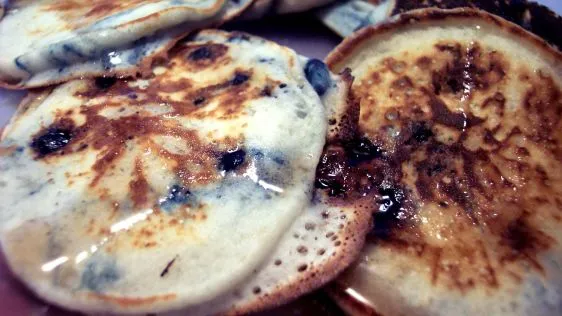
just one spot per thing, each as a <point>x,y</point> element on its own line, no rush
<point>460,136</point>
<point>347,17</point>
<point>70,39</point>
<point>156,194</point>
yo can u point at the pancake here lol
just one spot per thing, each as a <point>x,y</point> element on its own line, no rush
<point>75,39</point>
<point>168,192</point>
<point>459,148</point>
<point>347,17</point>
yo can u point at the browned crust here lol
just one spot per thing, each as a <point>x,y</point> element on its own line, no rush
<point>350,121</point>
<point>320,275</point>
<point>342,128</point>
<point>532,16</point>
<point>142,69</point>
<point>339,54</point>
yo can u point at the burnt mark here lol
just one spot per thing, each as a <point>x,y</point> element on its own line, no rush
<point>469,70</point>
<point>138,187</point>
<point>442,115</point>
<point>168,267</point>
<point>524,242</point>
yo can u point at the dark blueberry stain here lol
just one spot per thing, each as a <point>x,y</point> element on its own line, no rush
<point>201,53</point>
<point>232,160</point>
<point>278,160</point>
<point>258,155</point>
<point>139,51</point>
<point>239,78</point>
<point>318,75</point>
<point>105,82</point>
<point>98,275</point>
<point>388,215</point>
<point>283,85</point>
<point>266,60</point>
<point>51,141</point>
<point>238,37</point>
<point>69,49</point>
<point>58,62</point>
<point>178,194</point>
<point>266,91</point>
<point>362,149</point>
<point>133,96</point>
<point>21,65</point>
<point>199,100</point>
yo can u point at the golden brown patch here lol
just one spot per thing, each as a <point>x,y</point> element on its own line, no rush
<point>81,13</point>
<point>7,151</point>
<point>460,178</point>
<point>138,187</point>
<point>132,301</point>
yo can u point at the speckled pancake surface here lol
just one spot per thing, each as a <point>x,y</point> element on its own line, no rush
<point>461,136</point>
<point>73,39</point>
<point>162,193</point>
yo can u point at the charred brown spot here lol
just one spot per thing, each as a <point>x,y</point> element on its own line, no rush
<point>138,187</point>
<point>467,69</point>
<point>524,242</point>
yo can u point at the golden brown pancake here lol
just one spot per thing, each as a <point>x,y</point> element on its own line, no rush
<point>72,39</point>
<point>189,191</point>
<point>460,150</point>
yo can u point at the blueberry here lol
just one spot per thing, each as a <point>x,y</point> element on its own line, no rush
<point>318,75</point>
<point>388,216</point>
<point>199,101</point>
<point>239,79</point>
<point>238,37</point>
<point>105,82</point>
<point>362,149</point>
<point>232,160</point>
<point>51,141</point>
<point>99,274</point>
<point>201,53</point>
<point>178,194</point>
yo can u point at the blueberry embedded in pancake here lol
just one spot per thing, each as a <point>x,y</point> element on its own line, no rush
<point>181,190</point>
<point>78,39</point>
<point>463,179</point>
